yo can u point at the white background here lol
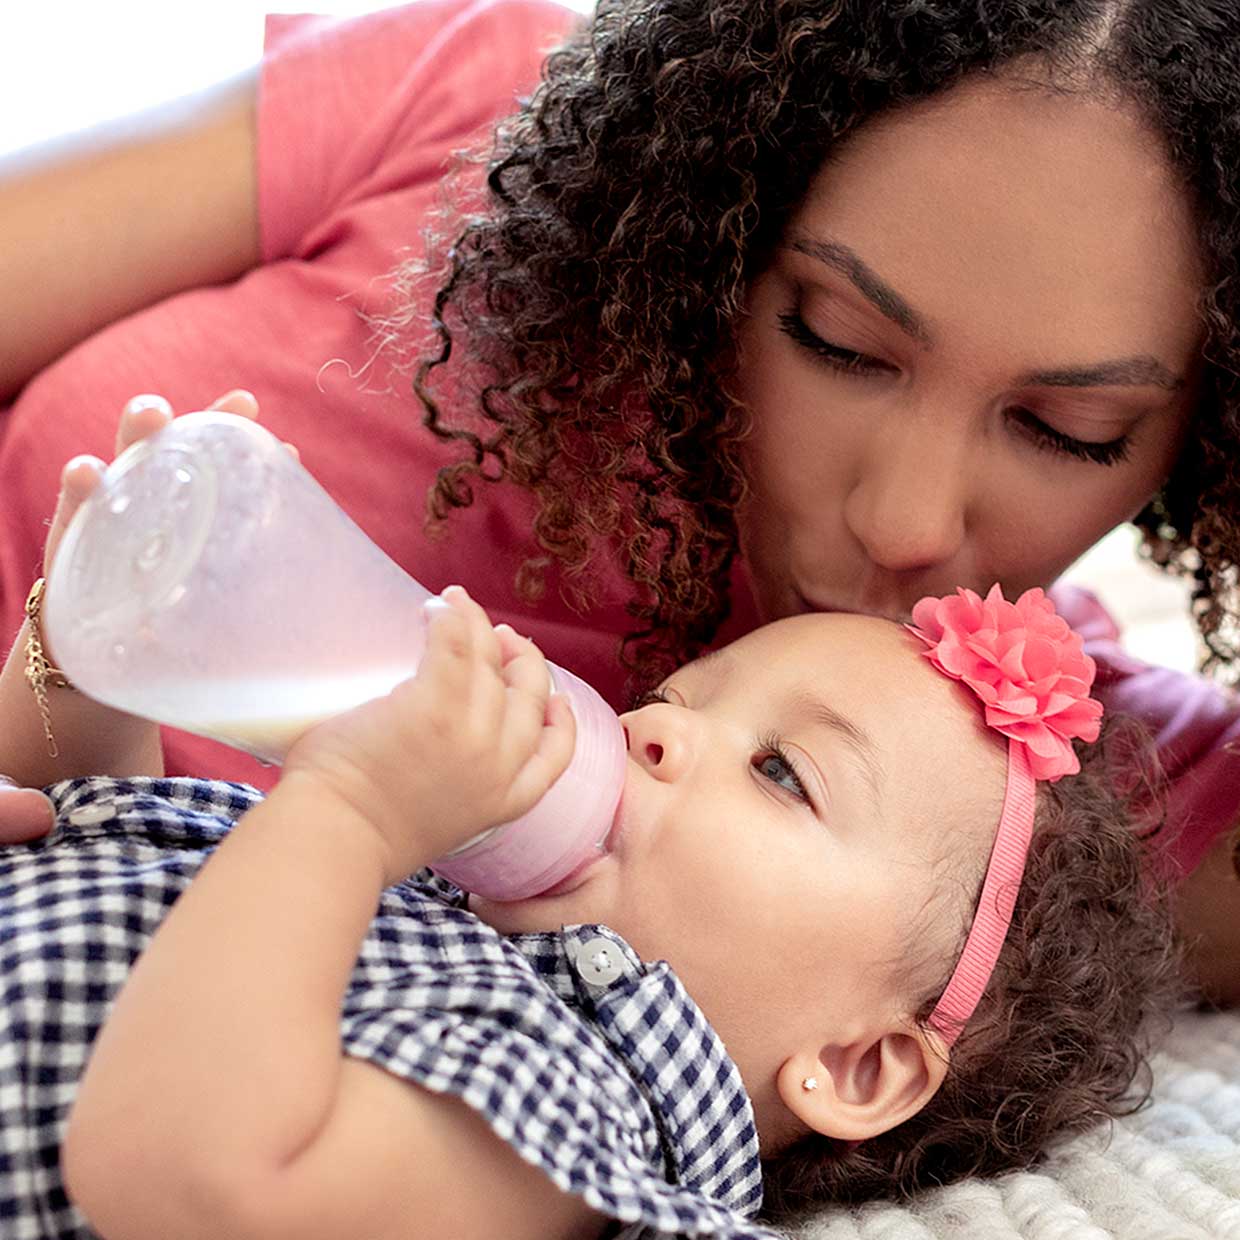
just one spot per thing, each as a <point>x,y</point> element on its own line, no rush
<point>70,65</point>
<point>65,66</point>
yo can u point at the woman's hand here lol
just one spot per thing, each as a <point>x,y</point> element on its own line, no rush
<point>141,418</point>
<point>473,740</point>
<point>92,739</point>
<point>25,813</point>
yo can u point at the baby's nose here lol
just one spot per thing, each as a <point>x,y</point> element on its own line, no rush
<point>654,753</point>
<point>658,741</point>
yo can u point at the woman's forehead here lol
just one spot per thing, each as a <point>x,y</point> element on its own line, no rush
<point>1041,196</point>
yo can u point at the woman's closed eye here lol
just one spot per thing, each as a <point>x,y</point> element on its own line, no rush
<point>776,766</point>
<point>836,356</point>
<point>1027,423</point>
<point>1048,439</point>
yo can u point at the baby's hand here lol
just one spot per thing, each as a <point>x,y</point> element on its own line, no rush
<point>471,741</point>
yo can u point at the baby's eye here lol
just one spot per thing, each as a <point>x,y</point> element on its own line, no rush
<point>649,697</point>
<point>774,764</point>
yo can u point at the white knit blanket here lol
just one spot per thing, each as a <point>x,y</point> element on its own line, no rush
<point>1170,1172</point>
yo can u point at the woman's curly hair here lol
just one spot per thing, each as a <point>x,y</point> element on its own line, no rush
<point>629,203</point>
<point>1086,979</point>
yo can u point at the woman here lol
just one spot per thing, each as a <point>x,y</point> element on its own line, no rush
<point>767,308</point>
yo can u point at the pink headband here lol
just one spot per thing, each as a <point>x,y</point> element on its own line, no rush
<point>1031,674</point>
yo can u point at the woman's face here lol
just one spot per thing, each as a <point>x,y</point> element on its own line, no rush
<point>974,352</point>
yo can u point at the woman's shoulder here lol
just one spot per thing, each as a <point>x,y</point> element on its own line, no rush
<point>397,35</point>
<point>1193,724</point>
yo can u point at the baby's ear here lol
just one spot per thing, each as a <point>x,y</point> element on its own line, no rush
<point>857,1090</point>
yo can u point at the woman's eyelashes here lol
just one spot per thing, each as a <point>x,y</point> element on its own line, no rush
<point>1028,424</point>
<point>1110,452</point>
<point>847,360</point>
<point>774,764</point>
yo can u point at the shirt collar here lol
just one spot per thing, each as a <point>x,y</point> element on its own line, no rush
<point>648,1018</point>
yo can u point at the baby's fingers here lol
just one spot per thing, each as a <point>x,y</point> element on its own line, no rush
<point>550,759</point>
<point>526,672</point>
<point>484,641</point>
<point>527,682</point>
<point>449,664</point>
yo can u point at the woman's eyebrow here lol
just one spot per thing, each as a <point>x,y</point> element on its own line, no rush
<point>868,283</point>
<point>1124,372</point>
<point>1142,371</point>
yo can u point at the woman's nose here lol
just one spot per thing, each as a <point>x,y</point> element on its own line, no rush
<point>660,740</point>
<point>908,505</point>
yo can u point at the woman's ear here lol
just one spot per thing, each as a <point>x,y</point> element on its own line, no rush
<point>857,1090</point>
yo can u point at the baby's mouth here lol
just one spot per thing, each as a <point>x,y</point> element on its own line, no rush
<point>605,847</point>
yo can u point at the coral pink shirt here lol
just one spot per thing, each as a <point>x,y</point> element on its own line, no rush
<point>358,121</point>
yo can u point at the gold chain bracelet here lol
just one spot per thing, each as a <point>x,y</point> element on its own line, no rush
<point>40,674</point>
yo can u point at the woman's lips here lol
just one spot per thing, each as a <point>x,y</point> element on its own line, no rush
<point>807,604</point>
<point>821,607</point>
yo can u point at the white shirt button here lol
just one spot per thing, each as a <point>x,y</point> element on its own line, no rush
<point>96,811</point>
<point>599,962</point>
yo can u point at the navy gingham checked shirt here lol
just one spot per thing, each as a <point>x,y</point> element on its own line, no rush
<point>594,1066</point>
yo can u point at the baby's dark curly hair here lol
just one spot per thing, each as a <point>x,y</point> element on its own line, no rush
<point>1087,978</point>
<point>633,198</point>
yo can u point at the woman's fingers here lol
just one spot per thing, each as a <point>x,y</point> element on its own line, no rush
<point>150,412</point>
<point>25,813</point>
<point>142,416</point>
<point>238,401</point>
<point>77,480</point>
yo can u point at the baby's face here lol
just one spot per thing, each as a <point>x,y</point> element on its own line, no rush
<point>792,805</point>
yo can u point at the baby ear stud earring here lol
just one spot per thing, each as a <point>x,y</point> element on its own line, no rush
<point>809,1084</point>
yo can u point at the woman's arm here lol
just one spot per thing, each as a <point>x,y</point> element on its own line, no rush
<point>1207,904</point>
<point>221,1063</point>
<point>102,223</point>
<point>1195,725</point>
<point>90,739</point>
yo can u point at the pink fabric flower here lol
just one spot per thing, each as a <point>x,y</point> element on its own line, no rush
<point>1025,664</point>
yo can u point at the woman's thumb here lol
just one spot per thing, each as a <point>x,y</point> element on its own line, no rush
<point>25,813</point>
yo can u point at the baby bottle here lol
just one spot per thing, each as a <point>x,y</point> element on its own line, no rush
<point>211,584</point>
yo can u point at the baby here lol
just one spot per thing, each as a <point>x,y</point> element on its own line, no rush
<point>847,938</point>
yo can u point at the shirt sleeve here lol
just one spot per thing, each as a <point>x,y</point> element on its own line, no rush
<point>433,1003</point>
<point>349,108</point>
<point>1195,725</point>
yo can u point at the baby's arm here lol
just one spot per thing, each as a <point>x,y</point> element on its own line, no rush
<point>98,225</point>
<point>221,1064</point>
